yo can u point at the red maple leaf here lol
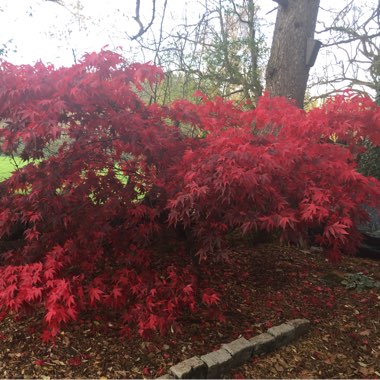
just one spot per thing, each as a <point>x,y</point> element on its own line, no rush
<point>95,295</point>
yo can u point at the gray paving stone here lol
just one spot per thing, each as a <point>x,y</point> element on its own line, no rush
<point>218,363</point>
<point>193,368</point>
<point>262,343</point>
<point>283,334</point>
<point>301,326</point>
<point>240,350</point>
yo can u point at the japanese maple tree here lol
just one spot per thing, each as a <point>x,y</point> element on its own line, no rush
<point>109,177</point>
<point>279,168</point>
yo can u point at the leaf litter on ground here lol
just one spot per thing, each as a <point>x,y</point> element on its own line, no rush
<point>279,283</point>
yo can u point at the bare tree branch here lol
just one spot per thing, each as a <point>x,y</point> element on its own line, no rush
<point>352,39</point>
<point>143,29</point>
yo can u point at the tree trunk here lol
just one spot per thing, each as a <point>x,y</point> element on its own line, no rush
<point>287,72</point>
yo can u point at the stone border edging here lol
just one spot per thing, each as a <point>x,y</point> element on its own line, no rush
<point>217,363</point>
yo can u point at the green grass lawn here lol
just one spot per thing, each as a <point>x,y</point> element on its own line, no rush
<point>7,166</point>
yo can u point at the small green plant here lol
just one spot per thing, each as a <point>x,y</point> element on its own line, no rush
<point>360,281</point>
<point>369,162</point>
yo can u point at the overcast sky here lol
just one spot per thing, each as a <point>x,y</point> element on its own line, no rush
<point>41,29</point>
<point>44,30</point>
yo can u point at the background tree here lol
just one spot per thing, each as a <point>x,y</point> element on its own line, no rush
<point>287,73</point>
<point>188,44</point>
<point>226,49</point>
<point>221,53</point>
<point>351,41</point>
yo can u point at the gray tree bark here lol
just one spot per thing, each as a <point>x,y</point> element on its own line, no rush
<point>287,73</point>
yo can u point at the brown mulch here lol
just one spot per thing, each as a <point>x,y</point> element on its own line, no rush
<point>263,286</point>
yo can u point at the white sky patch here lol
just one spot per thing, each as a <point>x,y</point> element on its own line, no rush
<point>46,31</point>
<point>43,30</point>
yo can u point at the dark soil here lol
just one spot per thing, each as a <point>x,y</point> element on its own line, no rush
<point>263,286</point>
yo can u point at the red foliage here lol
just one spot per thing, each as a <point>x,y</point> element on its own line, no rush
<point>277,168</point>
<point>110,174</point>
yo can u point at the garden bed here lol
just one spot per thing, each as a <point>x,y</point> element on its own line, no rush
<point>264,286</point>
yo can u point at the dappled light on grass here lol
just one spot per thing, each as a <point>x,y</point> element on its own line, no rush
<point>7,166</point>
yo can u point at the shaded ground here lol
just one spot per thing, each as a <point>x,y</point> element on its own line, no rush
<point>264,286</point>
